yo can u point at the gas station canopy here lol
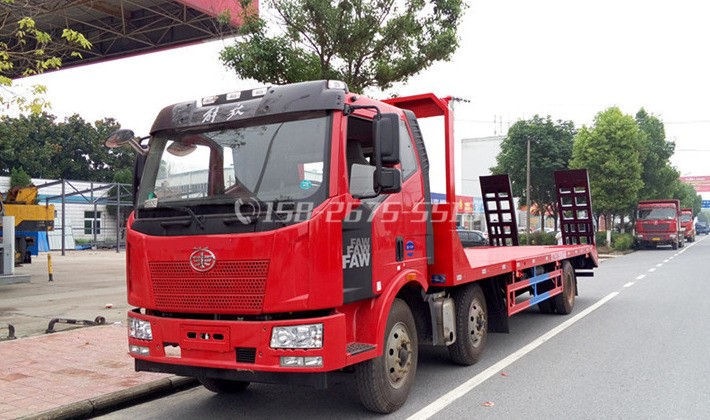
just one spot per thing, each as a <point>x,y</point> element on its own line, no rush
<point>119,28</point>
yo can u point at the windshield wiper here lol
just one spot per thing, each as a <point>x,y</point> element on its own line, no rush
<point>195,217</point>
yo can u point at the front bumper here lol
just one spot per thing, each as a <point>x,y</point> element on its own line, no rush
<point>193,347</point>
<point>658,239</point>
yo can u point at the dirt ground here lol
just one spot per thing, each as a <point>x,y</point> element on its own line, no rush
<point>87,284</point>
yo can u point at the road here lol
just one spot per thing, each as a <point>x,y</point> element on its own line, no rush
<point>636,346</point>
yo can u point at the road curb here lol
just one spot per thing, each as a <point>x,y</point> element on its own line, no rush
<point>92,406</point>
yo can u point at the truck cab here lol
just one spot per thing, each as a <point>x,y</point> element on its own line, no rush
<point>658,223</point>
<point>686,221</point>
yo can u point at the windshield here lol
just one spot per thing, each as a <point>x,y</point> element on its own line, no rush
<point>282,161</point>
<point>657,213</point>
<point>685,218</point>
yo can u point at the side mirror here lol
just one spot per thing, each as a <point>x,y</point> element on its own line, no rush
<point>386,136</point>
<point>122,137</point>
<point>119,138</point>
<point>389,181</point>
<point>180,149</point>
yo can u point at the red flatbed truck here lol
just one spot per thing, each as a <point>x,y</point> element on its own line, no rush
<point>284,234</point>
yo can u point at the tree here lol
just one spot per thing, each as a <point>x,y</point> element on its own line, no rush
<point>550,151</point>
<point>366,43</point>
<point>610,153</point>
<point>19,178</point>
<point>658,176</point>
<point>72,149</point>
<point>29,51</point>
<point>687,195</point>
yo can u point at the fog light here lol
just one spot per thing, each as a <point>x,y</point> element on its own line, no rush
<point>140,350</point>
<point>291,361</point>
<point>316,361</point>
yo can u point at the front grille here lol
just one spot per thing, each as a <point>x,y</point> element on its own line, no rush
<point>229,287</point>
<point>650,227</point>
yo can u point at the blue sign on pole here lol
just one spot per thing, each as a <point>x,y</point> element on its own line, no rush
<point>706,204</point>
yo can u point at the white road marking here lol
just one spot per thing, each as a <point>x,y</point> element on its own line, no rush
<point>629,284</point>
<point>472,383</point>
<point>651,270</point>
<point>665,261</point>
<point>659,265</point>
<point>640,277</point>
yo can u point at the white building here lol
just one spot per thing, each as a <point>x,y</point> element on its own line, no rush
<point>85,221</point>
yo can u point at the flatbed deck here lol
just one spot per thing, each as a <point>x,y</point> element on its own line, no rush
<point>488,261</point>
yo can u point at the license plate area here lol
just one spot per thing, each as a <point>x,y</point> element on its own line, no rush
<point>201,337</point>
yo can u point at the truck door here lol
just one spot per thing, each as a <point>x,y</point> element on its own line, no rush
<point>379,237</point>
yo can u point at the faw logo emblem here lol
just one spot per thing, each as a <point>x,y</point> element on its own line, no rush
<point>202,260</point>
<point>357,253</point>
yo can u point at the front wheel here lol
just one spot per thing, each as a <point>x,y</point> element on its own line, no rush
<point>223,386</point>
<point>471,325</point>
<point>384,382</point>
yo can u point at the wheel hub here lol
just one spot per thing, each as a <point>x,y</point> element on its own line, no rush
<point>398,355</point>
<point>476,323</point>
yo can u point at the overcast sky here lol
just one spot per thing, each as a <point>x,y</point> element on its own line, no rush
<point>567,59</point>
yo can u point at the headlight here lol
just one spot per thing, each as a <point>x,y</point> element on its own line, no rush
<point>140,329</point>
<point>297,337</point>
<point>640,236</point>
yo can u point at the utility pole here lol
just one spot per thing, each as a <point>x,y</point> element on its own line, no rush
<point>527,197</point>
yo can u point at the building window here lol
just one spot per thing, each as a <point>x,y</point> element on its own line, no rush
<point>91,220</point>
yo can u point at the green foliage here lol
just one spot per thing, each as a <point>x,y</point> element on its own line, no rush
<point>619,241</point>
<point>550,151</point>
<point>658,175</point>
<point>31,51</point>
<point>610,152</point>
<point>687,196</point>
<point>19,178</point>
<point>622,241</point>
<point>72,149</point>
<point>538,238</point>
<point>366,43</point>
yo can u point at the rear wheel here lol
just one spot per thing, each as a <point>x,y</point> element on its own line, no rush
<point>384,382</point>
<point>564,302</point>
<point>471,325</point>
<point>223,386</point>
<point>674,245</point>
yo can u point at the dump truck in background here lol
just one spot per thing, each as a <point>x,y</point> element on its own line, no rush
<point>285,234</point>
<point>687,224</point>
<point>658,223</point>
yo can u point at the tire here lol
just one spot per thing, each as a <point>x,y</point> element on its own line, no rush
<point>674,245</point>
<point>383,383</point>
<point>471,325</point>
<point>546,306</point>
<point>223,386</point>
<point>564,302</point>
